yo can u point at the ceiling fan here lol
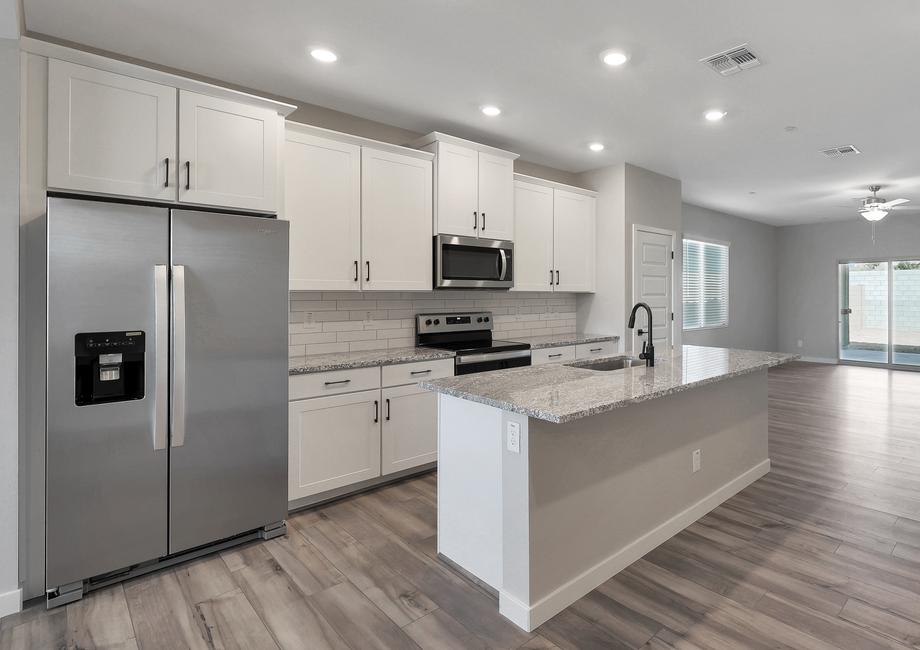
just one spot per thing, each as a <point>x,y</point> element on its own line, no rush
<point>875,208</point>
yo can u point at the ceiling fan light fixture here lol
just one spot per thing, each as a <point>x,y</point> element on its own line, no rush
<point>874,214</point>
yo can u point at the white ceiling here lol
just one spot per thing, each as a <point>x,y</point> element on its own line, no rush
<point>842,71</point>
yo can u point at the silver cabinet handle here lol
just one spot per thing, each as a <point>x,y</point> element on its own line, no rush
<point>161,355</point>
<point>335,383</point>
<point>419,372</point>
<point>179,379</point>
<point>503,263</point>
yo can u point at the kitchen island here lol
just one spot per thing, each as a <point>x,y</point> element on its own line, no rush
<point>552,479</point>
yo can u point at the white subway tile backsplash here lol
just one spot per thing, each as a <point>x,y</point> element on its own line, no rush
<point>341,321</point>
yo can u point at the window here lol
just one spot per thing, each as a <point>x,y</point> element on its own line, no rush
<point>705,284</point>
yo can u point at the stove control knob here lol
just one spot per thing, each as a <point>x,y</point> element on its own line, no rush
<point>437,321</point>
<point>487,319</point>
<point>428,322</point>
<point>479,320</point>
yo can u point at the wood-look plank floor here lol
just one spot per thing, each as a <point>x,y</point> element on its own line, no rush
<point>824,552</point>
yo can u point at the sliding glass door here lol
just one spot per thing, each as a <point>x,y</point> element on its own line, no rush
<point>879,318</point>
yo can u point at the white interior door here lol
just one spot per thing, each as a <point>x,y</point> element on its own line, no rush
<point>653,265</point>
<point>496,197</point>
<point>395,221</point>
<point>574,241</point>
<point>333,441</point>
<point>533,243</point>
<point>458,190</point>
<point>228,153</point>
<point>109,133</point>
<point>322,200</point>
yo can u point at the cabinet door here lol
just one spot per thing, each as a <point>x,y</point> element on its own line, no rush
<point>533,244</point>
<point>410,428</point>
<point>333,442</point>
<point>322,200</point>
<point>574,241</point>
<point>110,134</point>
<point>553,355</point>
<point>395,221</point>
<point>228,153</point>
<point>458,190</point>
<point>496,197</point>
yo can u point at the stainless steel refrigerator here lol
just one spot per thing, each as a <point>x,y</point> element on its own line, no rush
<point>166,387</point>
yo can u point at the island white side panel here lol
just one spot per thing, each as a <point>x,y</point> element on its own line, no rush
<point>469,487</point>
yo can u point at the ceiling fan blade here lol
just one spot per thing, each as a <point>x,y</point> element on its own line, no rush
<point>890,204</point>
<point>904,208</point>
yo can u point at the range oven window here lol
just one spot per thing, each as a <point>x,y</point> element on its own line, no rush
<point>470,263</point>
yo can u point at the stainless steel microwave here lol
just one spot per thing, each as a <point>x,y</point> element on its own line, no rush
<point>473,263</point>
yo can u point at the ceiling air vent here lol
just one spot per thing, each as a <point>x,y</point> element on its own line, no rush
<point>843,150</point>
<point>732,61</point>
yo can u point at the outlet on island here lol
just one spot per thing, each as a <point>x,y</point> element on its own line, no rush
<point>514,437</point>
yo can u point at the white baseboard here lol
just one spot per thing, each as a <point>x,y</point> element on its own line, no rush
<point>818,360</point>
<point>529,618</point>
<point>10,602</point>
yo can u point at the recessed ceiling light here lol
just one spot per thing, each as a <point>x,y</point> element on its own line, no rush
<point>596,146</point>
<point>715,115</point>
<point>614,57</point>
<point>324,55</point>
<point>491,111</point>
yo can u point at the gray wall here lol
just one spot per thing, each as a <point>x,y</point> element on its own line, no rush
<point>9,323</point>
<point>807,275</point>
<point>752,300</point>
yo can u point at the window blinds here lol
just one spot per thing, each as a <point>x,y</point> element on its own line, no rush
<point>705,284</point>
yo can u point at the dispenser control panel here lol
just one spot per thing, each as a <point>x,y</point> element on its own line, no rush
<point>108,366</point>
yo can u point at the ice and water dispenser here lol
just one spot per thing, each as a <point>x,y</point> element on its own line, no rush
<point>109,367</point>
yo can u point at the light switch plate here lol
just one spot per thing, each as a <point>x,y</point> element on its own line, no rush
<point>514,437</point>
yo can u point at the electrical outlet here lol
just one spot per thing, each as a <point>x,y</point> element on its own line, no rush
<point>800,343</point>
<point>514,437</point>
<point>308,318</point>
<point>695,460</point>
<point>367,317</point>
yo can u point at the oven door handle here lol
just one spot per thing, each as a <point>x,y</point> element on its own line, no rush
<point>467,359</point>
<point>502,264</point>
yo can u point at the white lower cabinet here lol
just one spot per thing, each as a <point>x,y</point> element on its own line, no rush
<point>410,428</point>
<point>594,350</point>
<point>552,355</point>
<point>333,442</point>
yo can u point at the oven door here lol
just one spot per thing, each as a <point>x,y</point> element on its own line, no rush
<point>471,263</point>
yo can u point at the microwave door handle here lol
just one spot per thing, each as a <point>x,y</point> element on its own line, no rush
<point>161,355</point>
<point>179,379</point>
<point>502,264</point>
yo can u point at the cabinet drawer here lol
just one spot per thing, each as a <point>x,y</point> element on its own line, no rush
<point>410,373</point>
<point>589,350</point>
<point>334,382</point>
<point>552,355</point>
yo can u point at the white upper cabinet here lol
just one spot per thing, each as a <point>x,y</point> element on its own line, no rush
<point>119,129</point>
<point>110,134</point>
<point>228,153</point>
<point>574,241</point>
<point>396,234</point>
<point>457,190</point>
<point>322,200</point>
<point>496,196</point>
<point>474,187</point>
<point>533,246</point>
<point>554,249</point>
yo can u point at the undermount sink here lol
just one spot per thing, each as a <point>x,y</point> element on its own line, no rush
<point>614,363</point>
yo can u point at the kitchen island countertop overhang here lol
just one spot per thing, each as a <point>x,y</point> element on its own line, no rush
<point>552,479</point>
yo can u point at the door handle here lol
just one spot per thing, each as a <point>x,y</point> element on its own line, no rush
<point>557,277</point>
<point>167,172</point>
<point>188,174</point>
<point>475,220</point>
<point>179,379</point>
<point>502,261</point>
<point>388,409</point>
<point>368,278</point>
<point>483,222</point>
<point>161,354</point>
<point>356,270</point>
<point>376,411</point>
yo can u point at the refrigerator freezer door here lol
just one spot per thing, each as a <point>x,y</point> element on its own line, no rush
<point>106,481</point>
<point>228,469</point>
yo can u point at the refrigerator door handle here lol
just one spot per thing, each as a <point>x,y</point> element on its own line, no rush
<point>178,397</point>
<point>161,353</point>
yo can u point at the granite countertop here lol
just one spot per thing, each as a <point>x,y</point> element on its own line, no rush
<point>554,340</point>
<point>559,393</point>
<point>362,359</point>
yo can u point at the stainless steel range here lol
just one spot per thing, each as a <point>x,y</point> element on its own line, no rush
<point>469,335</point>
